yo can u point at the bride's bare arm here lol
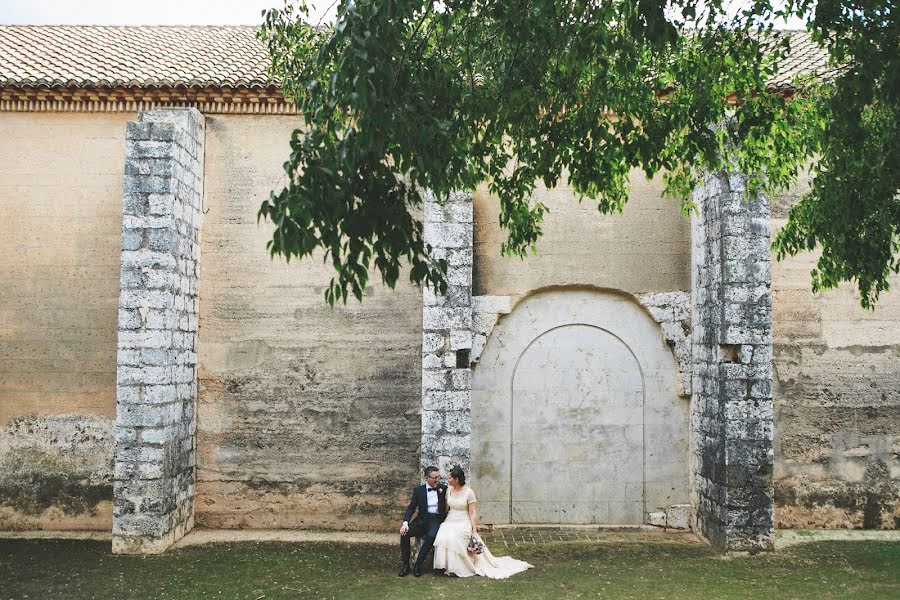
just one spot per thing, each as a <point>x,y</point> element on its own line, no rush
<point>473,517</point>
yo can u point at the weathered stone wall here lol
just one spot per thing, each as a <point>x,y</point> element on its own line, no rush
<point>731,420</point>
<point>837,401</point>
<point>308,416</point>
<point>61,177</point>
<point>447,337</point>
<point>644,249</point>
<point>156,377</point>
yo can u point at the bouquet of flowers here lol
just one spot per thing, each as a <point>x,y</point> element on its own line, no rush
<point>476,546</point>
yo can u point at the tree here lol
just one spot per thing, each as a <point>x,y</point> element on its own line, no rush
<point>403,96</point>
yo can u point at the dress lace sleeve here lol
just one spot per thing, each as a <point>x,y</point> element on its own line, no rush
<point>470,497</point>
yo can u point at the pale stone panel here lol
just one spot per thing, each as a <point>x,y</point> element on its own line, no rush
<point>61,180</point>
<point>837,403</point>
<point>644,249</point>
<point>581,388</point>
<point>575,408</point>
<point>308,416</point>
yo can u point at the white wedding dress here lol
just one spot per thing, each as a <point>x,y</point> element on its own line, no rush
<point>450,546</point>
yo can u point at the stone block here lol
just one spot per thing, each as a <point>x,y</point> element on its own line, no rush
<point>132,239</point>
<point>478,342</point>
<point>459,296</point>
<point>461,379</point>
<point>460,276</point>
<point>434,318</point>
<point>460,210</point>
<point>143,375</point>
<point>449,235</point>
<point>125,356</point>
<point>129,318</point>
<point>432,342</point>
<point>434,380</point>
<point>678,516</point>
<point>145,339</point>
<point>492,304</point>
<point>483,322</point>
<point>162,240</point>
<point>137,131</point>
<point>460,339</point>
<point>445,401</point>
<point>146,258</point>
<point>657,519</point>
<point>461,257</point>
<point>162,131</point>
<point>158,435</point>
<point>161,204</point>
<point>432,421</point>
<point>458,422</point>
<point>160,393</point>
<point>431,298</point>
<point>145,299</point>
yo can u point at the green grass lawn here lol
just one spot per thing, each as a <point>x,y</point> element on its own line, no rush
<point>43,569</point>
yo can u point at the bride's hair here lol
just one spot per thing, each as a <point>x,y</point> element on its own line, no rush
<point>459,475</point>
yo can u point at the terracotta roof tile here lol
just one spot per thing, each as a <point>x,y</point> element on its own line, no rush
<point>192,56</point>
<point>92,56</point>
<point>806,58</point>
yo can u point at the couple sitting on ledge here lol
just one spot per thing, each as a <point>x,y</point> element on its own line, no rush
<point>446,519</point>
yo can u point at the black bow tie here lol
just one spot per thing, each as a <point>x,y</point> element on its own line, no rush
<point>428,489</point>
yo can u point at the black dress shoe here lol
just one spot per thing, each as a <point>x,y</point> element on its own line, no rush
<point>404,570</point>
<point>417,571</point>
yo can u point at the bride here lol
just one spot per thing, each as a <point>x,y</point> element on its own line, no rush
<point>451,547</point>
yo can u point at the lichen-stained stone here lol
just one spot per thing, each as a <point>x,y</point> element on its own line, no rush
<point>156,377</point>
<point>56,471</point>
<point>672,310</point>
<point>447,328</point>
<point>732,411</point>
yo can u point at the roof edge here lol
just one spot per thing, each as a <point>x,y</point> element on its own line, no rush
<point>209,100</point>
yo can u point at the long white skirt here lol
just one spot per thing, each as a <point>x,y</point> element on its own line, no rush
<point>450,552</point>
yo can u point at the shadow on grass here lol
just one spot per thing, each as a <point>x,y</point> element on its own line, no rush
<point>81,569</point>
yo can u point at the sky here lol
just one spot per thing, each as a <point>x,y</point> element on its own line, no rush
<point>163,12</point>
<point>155,12</point>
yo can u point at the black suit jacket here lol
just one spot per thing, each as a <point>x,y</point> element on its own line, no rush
<point>419,504</point>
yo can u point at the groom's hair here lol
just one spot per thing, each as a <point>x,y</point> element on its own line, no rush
<point>430,470</point>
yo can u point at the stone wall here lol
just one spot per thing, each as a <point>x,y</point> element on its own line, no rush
<point>158,305</point>
<point>61,177</point>
<point>644,249</point>
<point>308,416</point>
<point>731,420</point>
<point>447,337</point>
<point>672,310</point>
<point>837,401</point>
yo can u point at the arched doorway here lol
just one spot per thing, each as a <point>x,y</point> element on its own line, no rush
<point>575,414</point>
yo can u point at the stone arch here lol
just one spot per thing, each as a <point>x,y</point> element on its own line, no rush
<point>576,416</point>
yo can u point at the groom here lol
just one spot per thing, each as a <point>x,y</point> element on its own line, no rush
<point>430,501</point>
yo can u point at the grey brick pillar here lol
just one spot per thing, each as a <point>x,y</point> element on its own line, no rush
<point>156,376</point>
<point>447,337</point>
<point>731,414</point>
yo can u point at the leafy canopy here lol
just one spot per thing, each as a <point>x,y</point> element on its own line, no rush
<point>403,96</point>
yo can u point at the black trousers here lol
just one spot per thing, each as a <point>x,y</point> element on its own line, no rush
<point>425,529</point>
